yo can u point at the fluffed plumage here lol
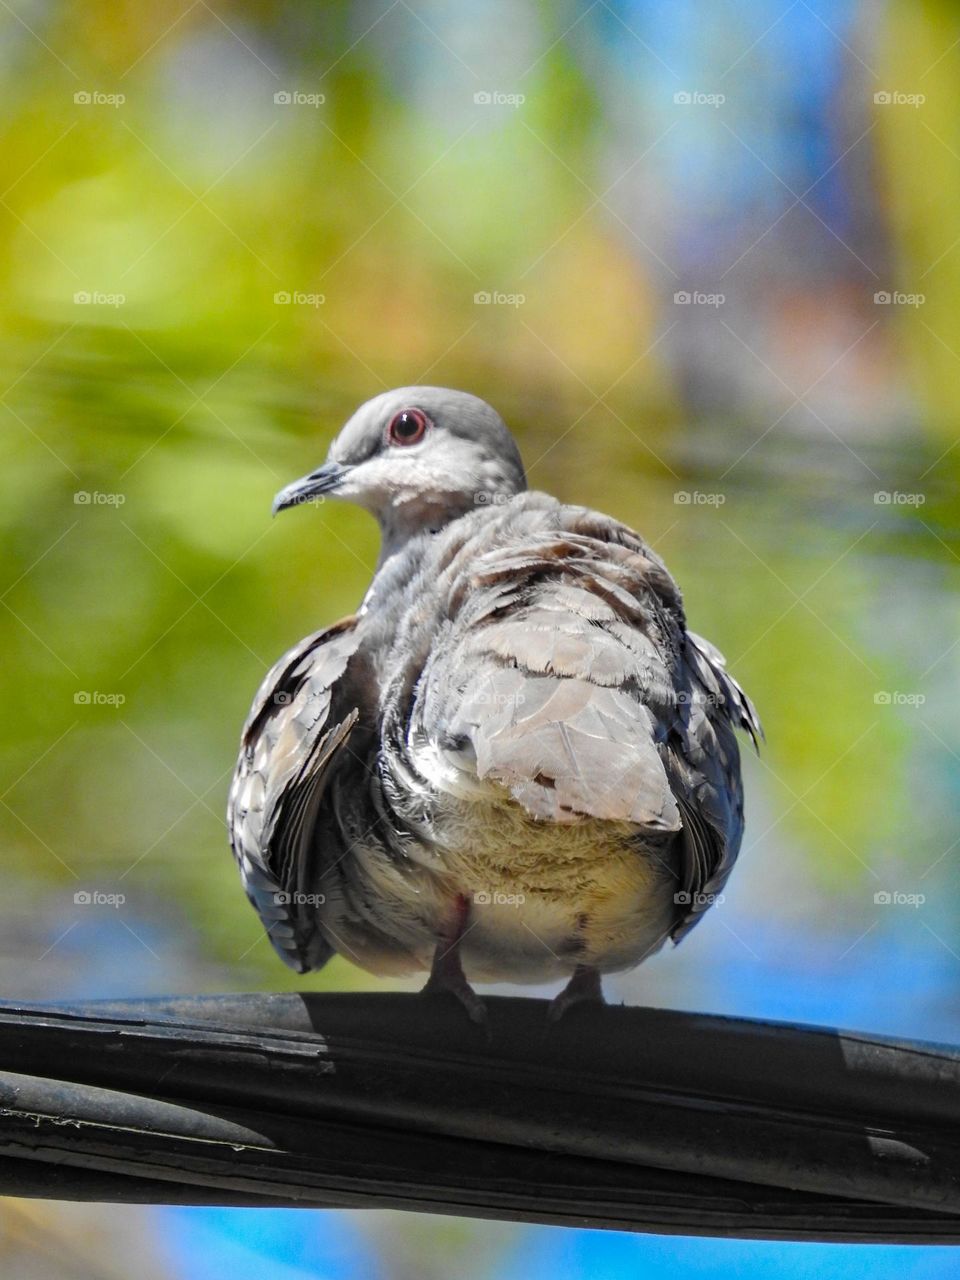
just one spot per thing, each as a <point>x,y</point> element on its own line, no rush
<point>515,752</point>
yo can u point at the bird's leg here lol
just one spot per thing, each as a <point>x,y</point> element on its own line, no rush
<point>446,973</point>
<point>585,987</point>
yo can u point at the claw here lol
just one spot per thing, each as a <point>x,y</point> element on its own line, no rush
<point>447,976</point>
<point>585,987</point>
<point>442,982</point>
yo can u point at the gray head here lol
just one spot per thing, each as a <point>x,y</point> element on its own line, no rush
<point>416,458</point>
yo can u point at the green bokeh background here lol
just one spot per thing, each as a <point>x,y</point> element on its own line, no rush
<point>184,407</point>
<point>144,428</point>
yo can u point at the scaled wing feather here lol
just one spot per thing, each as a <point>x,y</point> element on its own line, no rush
<point>300,722</point>
<point>569,677</point>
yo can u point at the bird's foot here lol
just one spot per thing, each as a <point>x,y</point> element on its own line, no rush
<point>585,987</point>
<point>447,977</point>
<point>460,988</point>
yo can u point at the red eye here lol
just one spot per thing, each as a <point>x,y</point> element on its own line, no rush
<point>407,427</point>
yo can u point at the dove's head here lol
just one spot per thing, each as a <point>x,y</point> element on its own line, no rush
<point>416,458</point>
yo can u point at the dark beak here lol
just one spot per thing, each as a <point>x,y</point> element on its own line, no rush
<point>324,480</point>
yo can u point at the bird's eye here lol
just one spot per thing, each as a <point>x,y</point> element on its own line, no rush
<point>407,427</point>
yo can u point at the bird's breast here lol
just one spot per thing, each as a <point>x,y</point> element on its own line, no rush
<point>541,897</point>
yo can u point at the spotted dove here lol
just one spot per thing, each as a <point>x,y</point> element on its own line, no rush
<point>514,763</point>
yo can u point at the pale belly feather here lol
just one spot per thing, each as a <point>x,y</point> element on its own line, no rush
<point>542,898</point>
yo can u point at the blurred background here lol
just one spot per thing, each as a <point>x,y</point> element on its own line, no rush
<point>704,259</point>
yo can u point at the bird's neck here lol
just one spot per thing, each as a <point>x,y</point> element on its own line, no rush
<point>401,523</point>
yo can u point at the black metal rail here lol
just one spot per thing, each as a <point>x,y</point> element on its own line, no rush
<point>636,1119</point>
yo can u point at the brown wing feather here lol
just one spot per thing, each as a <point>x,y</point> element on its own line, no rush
<point>568,675</point>
<point>300,721</point>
